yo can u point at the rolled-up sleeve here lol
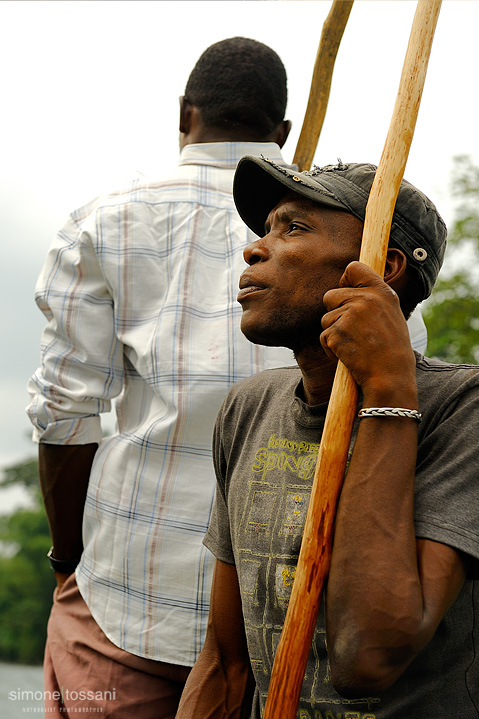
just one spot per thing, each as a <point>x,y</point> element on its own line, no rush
<point>81,358</point>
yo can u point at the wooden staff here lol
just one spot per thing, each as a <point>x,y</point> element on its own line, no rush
<point>313,562</point>
<point>331,35</point>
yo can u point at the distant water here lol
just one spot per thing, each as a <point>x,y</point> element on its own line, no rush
<point>21,692</point>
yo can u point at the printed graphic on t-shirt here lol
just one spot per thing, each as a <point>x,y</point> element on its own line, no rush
<point>269,539</point>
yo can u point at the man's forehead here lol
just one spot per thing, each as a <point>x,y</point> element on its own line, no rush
<point>293,201</point>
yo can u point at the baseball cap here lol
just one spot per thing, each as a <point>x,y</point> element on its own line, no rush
<point>417,227</point>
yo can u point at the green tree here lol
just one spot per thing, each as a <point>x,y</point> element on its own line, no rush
<point>26,580</point>
<point>452,312</point>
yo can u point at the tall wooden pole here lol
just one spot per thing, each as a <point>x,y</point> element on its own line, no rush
<point>313,563</point>
<point>331,35</point>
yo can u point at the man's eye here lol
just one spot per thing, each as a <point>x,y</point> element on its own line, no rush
<point>293,226</point>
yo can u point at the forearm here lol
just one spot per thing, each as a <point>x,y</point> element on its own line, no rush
<point>375,602</point>
<point>221,684</point>
<point>217,691</point>
<point>387,591</point>
<point>64,475</point>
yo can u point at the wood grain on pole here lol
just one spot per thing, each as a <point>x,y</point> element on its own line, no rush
<point>313,562</point>
<point>331,35</point>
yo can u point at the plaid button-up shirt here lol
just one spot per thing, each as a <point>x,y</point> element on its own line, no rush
<point>139,289</point>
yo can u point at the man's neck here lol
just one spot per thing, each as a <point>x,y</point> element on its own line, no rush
<point>208,137</point>
<point>318,372</point>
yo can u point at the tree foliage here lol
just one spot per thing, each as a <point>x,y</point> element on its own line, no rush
<point>26,580</point>
<point>24,474</point>
<point>452,312</point>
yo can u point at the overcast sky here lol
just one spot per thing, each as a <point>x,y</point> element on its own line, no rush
<point>90,91</point>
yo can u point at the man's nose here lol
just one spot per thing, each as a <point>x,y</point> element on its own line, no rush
<point>256,251</point>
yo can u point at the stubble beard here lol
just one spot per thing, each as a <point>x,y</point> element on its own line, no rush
<point>295,329</point>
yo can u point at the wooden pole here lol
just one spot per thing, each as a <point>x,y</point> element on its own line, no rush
<point>331,35</point>
<point>313,562</point>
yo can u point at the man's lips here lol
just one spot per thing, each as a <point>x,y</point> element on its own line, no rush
<point>248,291</point>
<point>247,287</point>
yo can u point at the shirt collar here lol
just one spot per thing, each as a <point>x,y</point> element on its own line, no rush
<point>228,154</point>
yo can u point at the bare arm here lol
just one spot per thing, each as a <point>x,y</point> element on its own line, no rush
<point>64,474</point>
<point>386,592</point>
<point>221,683</point>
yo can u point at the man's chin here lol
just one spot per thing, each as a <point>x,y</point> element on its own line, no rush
<point>272,336</point>
<point>266,336</point>
<point>264,341</point>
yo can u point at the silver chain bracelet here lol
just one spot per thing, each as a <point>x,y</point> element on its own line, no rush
<point>390,412</point>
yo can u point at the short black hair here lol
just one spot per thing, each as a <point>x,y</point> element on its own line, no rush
<point>239,83</point>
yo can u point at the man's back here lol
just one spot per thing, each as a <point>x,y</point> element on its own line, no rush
<point>140,294</point>
<point>159,266</point>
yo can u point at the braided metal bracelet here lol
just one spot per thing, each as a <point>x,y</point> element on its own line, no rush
<point>390,412</point>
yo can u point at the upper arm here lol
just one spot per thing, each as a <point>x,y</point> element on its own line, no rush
<point>442,572</point>
<point>226,631</point>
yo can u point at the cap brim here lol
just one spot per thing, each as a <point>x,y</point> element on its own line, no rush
<point>259,185</point>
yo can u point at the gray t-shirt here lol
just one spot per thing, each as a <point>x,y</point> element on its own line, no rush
<point>265,448</point>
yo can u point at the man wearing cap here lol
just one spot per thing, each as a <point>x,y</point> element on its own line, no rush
<point>396,636</point>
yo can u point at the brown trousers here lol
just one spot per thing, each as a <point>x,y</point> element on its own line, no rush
<point>86,673</point>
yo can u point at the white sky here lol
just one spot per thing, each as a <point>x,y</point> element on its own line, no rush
<point>90,91</point>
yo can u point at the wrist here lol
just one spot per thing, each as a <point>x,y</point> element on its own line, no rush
<point>62,566</point>
<point>391,394</point>
<point>395,412</point>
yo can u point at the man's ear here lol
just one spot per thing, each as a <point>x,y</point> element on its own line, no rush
<point>395,269</point>
<point>282,132</point>
<point>185,115</point>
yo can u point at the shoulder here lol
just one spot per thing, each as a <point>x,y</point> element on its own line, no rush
<point>187,186</point>
<point>268,380</point>
<point>136,190</point>
<point>267,387</point>
<point>252,409</point>
<point>444,377</point>
<point>111,199</point>
<point>446,510</point>
<point>446,389</point>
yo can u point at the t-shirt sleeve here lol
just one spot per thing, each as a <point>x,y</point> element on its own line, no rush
<point>218,536</point>
<point>447,474</point>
